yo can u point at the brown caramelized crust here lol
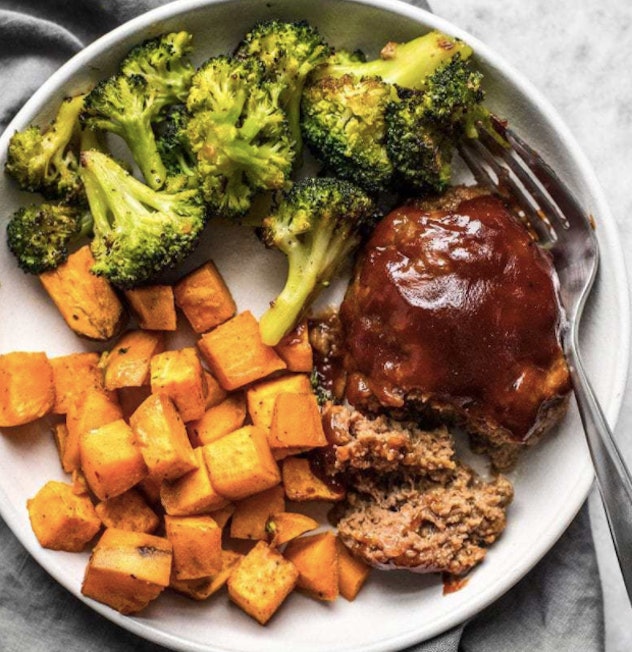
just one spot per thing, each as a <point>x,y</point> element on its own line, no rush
<point>454,306</point>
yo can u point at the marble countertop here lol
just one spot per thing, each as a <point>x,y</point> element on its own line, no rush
<point>577,53</point>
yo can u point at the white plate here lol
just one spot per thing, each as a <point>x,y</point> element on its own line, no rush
<point>395,609</point>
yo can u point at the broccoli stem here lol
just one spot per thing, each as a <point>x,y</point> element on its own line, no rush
<point>308,264</point>
<point>407,64</point>
<point>146,153</point>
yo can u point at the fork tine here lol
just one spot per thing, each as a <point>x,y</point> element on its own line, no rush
<point>480,160</point>
<point>570,209</point>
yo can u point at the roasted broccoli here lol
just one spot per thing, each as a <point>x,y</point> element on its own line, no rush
<point>392,123</point>
<point>317,224</point>
<point>176,155</point>
<point>40,235</point>
<point>289,51</point>
<point>152,77</point>
<point>238,133</point>
<point>47,161</point>
<point>139,232</point>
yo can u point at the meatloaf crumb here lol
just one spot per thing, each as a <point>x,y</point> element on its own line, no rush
<point>422,525</point>
<point>384,445</point>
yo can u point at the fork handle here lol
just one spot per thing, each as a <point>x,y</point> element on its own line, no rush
<point>613,477</point>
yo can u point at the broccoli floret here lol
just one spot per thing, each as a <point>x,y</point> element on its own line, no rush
<point>423,127</point>
<point>317,224</point>
<point>139,232</point>
<point>289,52</point>
<point>174,150</point>
<point>238,132</point>
<point>350,116</point>
<point>47,161</point>
<point>40,235</point>
<point>152,77</point>
<point>163,63</point>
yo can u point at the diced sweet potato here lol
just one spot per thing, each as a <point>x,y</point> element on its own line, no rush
<point>204,298</point>
<point>261,396</point>
<point>197,546</point>
<point>218,420</point>
<point>179,375</point>
<point>302,484</point>
<point>215,393</point>
<point>235,353</point>
<point>352,572</point>
<point>127,570</point>
<point>252,514</point>
<point>27,391</point>
<point>153,306</point>
<point>162,438</point>
<point>204,587</point>
<point>296,422</point>
<point>222,515</point>
<point>192,493</point>
<point>111,460</point>
<point>127,363</point>
<point>285,526</point>
<point>61,519</point>
<point>128,511</point>
<point>72,375</point>
<point>60,433</point>
<point>88,303</point>
<point>91,409</point>
<point>240,464</point>
<point>296,350</point>
<point>316,558</point>
<point>261,582</point>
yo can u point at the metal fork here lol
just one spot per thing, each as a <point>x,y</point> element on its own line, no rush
<point>561,226</point>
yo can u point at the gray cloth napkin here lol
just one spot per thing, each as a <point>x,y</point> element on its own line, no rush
<point>557,607</point>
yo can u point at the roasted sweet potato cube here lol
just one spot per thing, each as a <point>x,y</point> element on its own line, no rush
<point>301,483</point>
<point>127,570</point>
<point>296,350</point>
<point>27,391</point>
<point>153,306</point>
<point>128,511</point>
<point>72,375</point>
<point>316,558</point>
<point>235,353</point>
<point>162,438</point>
<point>192,493</point>
<point>261,582</point>
<point>110,459</point>
<point>352,572</point>
<point>91,409</point>
<point>219,420</point>
<point>180,376</point>
<point>215,393</point>
<point>204,298</point>
<point>222,515</point>
<point>60,433</point>
<point>252,514</point>
<point>285,526</point>
<point>61,519</point>
<point>197,546</point>
<point>296,422</point>
<point>204,587</point>
<point>127,363</point>
<point>240,464</point>
<point>261,396</point>
<point>88,303</point>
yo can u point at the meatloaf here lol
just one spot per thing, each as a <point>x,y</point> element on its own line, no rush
<point>453,308</point>
<point>410,504</point>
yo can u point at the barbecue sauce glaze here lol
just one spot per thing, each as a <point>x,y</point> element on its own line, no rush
<point>457,306</point>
